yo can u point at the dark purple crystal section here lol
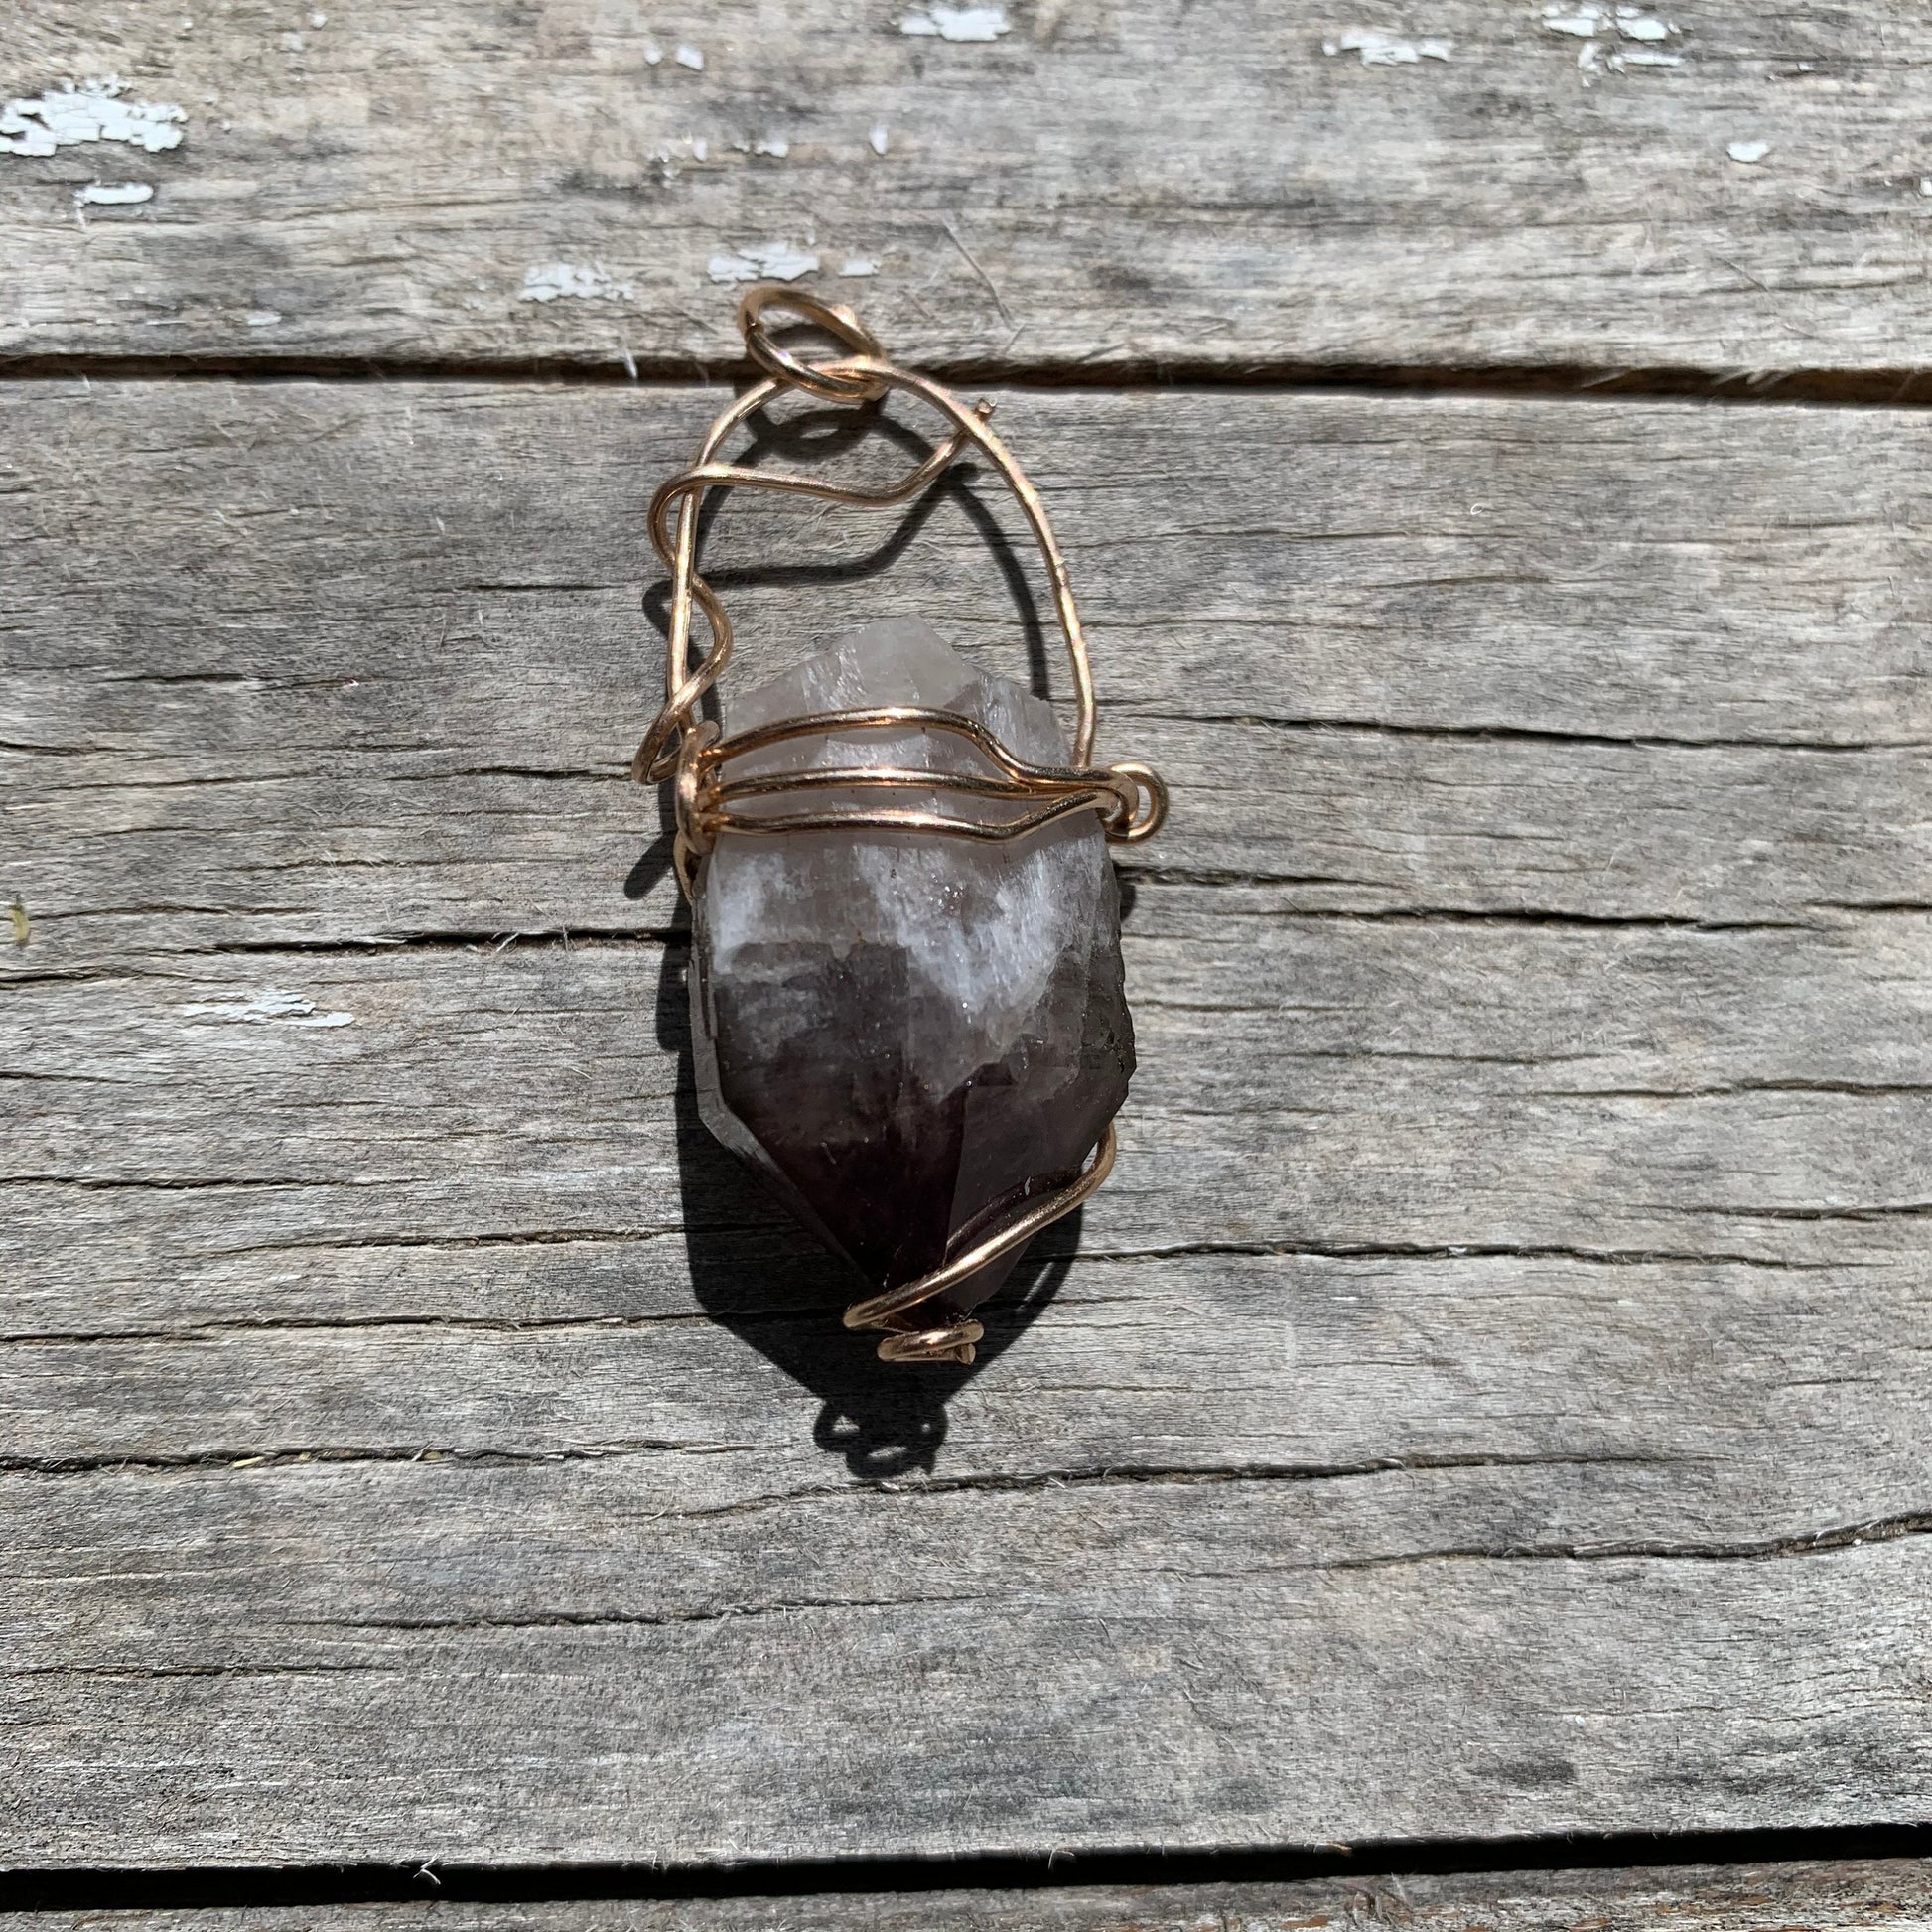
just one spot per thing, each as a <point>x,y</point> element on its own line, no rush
<point>906,1034</point>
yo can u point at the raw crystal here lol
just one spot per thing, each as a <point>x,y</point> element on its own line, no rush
<point>908,1033</point>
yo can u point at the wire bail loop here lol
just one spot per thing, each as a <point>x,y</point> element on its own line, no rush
<point>829,381</point>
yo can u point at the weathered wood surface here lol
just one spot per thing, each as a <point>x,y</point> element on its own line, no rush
<point>1731,1899</point>
<point>311,662</point>
<point>1490,1398</point>
<point>1163,186</point>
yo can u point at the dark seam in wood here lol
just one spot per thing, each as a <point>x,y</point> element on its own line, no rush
<point>1520,734</point>
<point>242,1460</point>
<point>1475,1251</point>
<point>1171,1475</point>
<point>143,1671</point>
<point>1117,708</point>
<point>1144,1475</point>
<point>615,1620</point>
<point>1854,1088</point>
<point>263,1886</point>
<point>1888,1529</point>
<point>1473,915</point>
<point>1876,387</point>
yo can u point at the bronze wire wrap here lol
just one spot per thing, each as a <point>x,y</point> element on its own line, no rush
<point>688,750</point>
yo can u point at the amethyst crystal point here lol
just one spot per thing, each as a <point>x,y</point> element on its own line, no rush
<point>905,1033</point>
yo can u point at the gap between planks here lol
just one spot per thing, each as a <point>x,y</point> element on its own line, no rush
<point>1833,1876</point>
<point>1870,388</point>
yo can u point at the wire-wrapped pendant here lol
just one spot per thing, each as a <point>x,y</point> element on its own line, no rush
<point>907,1014</point>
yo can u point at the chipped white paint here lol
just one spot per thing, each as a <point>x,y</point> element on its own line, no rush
<point>858,265</point>
<point>957,23</point>
<point>1586,18</point>
<point>879,137</point>
<point>1925,183</point>
<point>582,280</point>
<point>1603,27</point>
<point>1380,50</point>
<point>271,1006</point>
<point>773,144</point>
<point>318,19</point>
<point>690,56</point>
<point>653,54</point>
<point>93,110</point>
<point>758,261</point>
<point>700,147</point>
<point>1748,152</point>
<point>113,193</point>
<point>262,318</point>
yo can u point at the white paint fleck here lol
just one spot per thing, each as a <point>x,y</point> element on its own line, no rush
<point>690,56</point>
<point>880,135</point>
<point>583,281</point>
<point>318,19</point>
<point>270,1006</point>
<point>653,54</point>
<point>758,261</point>
<point>93,110</point>
<point>113,193</point>
<point>1380,50</point>
<point>774,144</point>
<point>858,265</point>
<point>1603,28</point>
<point>1586,18</point>
<point>957,23</point>
<point>1925,183</point>
<point>262,318</point>
<point>700,147</point>
<point>1749,151</point>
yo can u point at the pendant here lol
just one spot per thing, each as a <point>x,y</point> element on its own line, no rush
<point>906,1000</point>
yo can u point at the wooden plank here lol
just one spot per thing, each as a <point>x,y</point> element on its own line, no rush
<point>1723,1898</point>
<point>306,662</point>
<point>1698,1096</point>
<point>542,1663</point>
<point>1173,186</point>
<point>1488,1400</point>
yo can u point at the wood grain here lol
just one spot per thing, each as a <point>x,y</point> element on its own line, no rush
<point>544,1661</point>
<point>1734,1899</point>
<point>306,662</point>
<point>1488,1400</point>
<point>1103,188</point>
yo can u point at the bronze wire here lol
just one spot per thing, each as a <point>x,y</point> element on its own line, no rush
<point>1131,799</point>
